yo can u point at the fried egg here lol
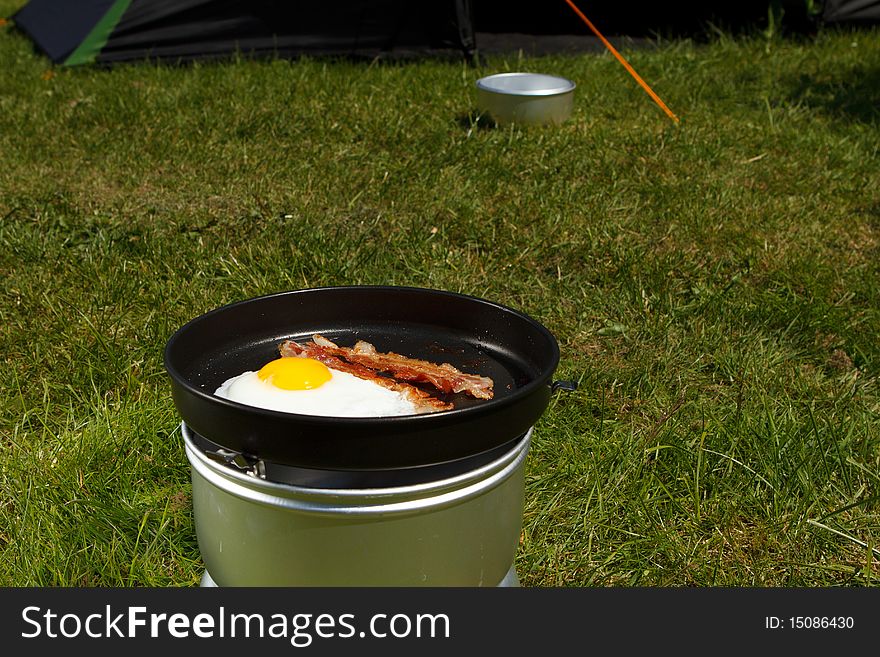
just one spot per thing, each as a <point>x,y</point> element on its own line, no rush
<point>305,385</point>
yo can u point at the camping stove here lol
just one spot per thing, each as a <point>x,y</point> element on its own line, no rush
<point>261,524</point>
<point>428,499</point>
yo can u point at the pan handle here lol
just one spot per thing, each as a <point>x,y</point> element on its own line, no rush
<point>567,386</point>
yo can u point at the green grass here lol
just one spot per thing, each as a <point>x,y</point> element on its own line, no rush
<point>713,287</point>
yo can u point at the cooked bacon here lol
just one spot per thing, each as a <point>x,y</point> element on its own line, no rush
<point>422,400</point>
<point>444,377</point>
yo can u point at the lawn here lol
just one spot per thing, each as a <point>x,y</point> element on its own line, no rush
<point>714,287</point>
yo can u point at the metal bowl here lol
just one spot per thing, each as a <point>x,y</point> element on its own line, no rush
<point>526,98</point>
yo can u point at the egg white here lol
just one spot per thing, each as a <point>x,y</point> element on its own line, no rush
<point>344,395</point>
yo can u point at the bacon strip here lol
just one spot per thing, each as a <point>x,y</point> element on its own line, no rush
<point>422,400</point>
<point>444,377</point>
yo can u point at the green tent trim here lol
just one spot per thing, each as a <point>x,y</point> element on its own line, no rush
<point>88,50</point>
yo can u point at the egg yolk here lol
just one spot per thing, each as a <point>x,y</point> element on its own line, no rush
<point>294,373</point>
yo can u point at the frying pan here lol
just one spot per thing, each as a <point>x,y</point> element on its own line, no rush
<point>475,335</point>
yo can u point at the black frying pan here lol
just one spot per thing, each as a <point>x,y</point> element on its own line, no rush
<point>474,335</point>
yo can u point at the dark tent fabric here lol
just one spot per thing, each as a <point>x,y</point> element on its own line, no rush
<point>74,32</point>
<point>108,31</point>
<point>851,11</point>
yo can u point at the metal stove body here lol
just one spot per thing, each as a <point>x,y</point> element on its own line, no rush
<point>461,530</point>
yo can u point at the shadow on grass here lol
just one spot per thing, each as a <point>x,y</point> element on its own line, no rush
<point>475,120</point>
<point>851,94</point>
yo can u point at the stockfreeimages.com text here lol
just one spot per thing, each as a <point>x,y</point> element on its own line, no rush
<point>300,629</point>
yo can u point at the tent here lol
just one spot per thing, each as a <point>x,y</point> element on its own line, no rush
<point>851,11</point>
<point>109,31</point>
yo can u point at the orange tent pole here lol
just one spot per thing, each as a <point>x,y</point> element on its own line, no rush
<point>625,63</point>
